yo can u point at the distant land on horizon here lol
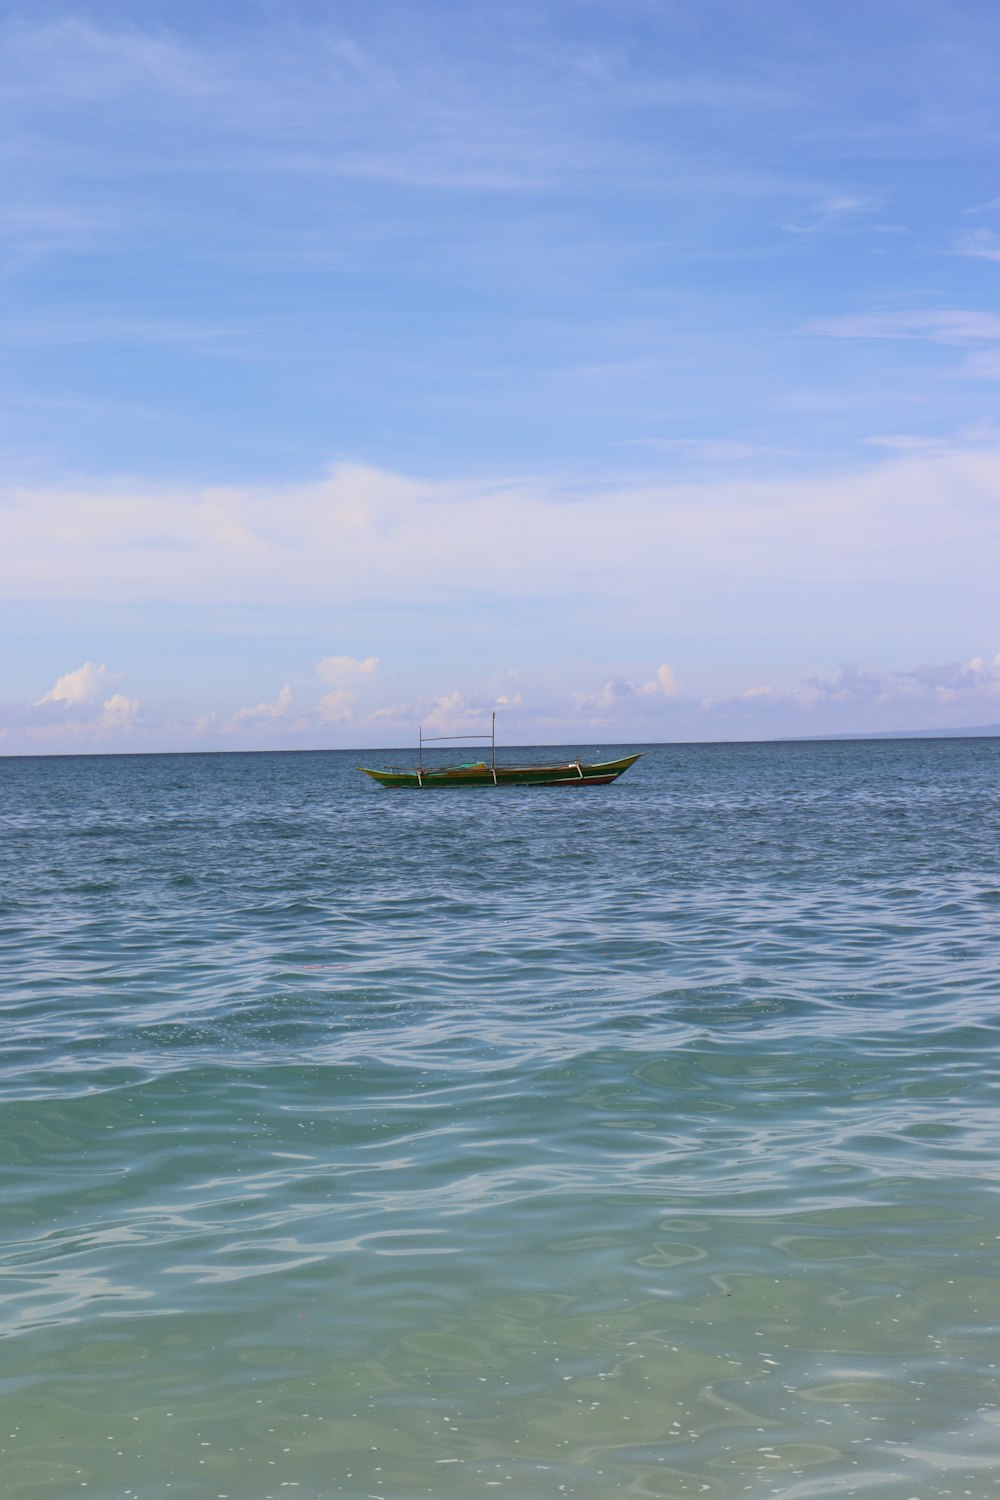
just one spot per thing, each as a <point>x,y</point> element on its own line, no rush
<point>974,731</point>
<point>969,731</point>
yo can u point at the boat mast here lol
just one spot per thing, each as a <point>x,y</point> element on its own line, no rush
<point>493,744</point>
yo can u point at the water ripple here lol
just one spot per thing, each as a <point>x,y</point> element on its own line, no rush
<point>375,1145</point>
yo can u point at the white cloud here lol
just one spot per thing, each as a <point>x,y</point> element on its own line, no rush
<point>853,699</point>
<point>119,715</point>
<point>663,684</point>
<point>337,706</point>
<point>369,537</point>
<point>926,686</point>
<point>445,713</point>
<point>82,686</point>
<point>609,696</point>
<point>618,694</point>
<point>338,669</point>
<point>455,713</point>
<point>73,715</point>
<point>908,530</point>
<point>343,675</point>
<point>398,713</point>
<point>266,713</point>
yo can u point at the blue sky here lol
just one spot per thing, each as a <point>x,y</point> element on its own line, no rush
<point>632,365</point>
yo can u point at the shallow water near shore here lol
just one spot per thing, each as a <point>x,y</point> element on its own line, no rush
<point>635,1139</point>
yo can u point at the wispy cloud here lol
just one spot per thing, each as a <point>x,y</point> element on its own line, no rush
<point>833,215</point>
<point>973,434</point>
<point>84,326</point>
<point>989,206</point>
<point>903,442</point>
<point>983,365</point>
<point>981,244</point>
<point>945,326</point>
<point>320,104</point>
<point>711,450</point>
<point>74,61</point>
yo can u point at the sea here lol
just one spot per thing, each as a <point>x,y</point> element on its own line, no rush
<point>633,1140</point>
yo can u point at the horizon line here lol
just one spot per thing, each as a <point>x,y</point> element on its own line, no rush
<point>973,732</point>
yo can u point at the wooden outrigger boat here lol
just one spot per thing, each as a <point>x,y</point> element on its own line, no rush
<point>483,773</point>
<point>479,773</point>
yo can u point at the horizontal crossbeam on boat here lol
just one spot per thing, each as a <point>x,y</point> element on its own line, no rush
<point>434,739</point>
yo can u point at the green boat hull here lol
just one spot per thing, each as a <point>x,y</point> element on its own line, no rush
<point>572,773</point>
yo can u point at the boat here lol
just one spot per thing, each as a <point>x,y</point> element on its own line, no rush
<point>481,773</point>
<point>488,773</point>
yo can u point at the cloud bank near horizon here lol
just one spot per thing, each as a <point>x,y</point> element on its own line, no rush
<point>850,700</point>
<point>588,585</point>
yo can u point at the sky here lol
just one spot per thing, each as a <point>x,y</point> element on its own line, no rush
<point>631,366</point>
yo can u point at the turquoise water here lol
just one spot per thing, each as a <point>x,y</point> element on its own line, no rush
<point>635,1140</point>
